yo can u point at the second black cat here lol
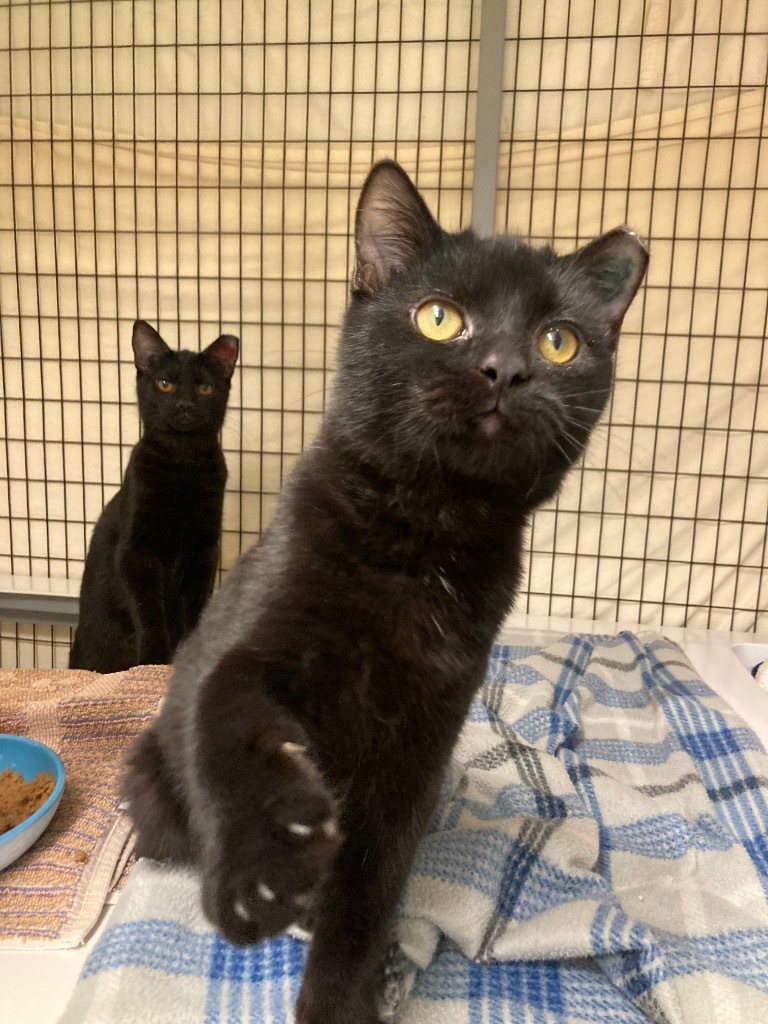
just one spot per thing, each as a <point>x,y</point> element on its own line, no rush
<point>152,558</point>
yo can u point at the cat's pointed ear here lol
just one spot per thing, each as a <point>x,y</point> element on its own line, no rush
<point>615,263</point>
<point>392,226</point>
<point>148,347</point>
<point>222,354</point>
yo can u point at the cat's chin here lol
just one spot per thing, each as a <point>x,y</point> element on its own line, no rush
<point>186,426</point>
<point>502,424</point>
<point>490,424</point>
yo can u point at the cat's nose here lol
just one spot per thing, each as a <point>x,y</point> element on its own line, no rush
<point>503,376</point>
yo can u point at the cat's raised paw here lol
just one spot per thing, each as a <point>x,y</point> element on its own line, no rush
<point>269,864</point>
<point>273,889</point>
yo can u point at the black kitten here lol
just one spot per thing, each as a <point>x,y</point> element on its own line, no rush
<point>152,559</point>
<point>310,716</point>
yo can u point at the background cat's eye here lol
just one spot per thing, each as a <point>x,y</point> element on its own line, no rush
<point>204,390</point>
<point>439,321</point>
<point>558,344</point>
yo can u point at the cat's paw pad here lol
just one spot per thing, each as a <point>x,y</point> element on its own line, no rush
<point>264,896</point>
<point>272,863</point>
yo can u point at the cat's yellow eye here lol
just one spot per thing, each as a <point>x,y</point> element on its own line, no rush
<point>558,344</point>
<point>439,321</point>
<point>165,385</point>
<point>204,390</point>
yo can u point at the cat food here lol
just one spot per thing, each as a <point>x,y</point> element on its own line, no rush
<point>19,798</point>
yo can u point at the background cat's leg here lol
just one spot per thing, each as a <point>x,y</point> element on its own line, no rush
<point>75,653</point>
<point>105,639</point>
<point>199,577</point>
<point>142,573</point>
<point>160,818</point>
<point>354,918</point>
<point>263,817</point>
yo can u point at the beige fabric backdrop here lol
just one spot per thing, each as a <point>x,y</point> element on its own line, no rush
<point>197,165</point>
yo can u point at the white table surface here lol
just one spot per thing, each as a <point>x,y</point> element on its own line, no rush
<point>35,985</point>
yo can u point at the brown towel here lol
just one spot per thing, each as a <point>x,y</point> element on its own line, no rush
<point>52,896</point>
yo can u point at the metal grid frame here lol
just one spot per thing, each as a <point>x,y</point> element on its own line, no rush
<point>655,115</point>
<point>197,164</point>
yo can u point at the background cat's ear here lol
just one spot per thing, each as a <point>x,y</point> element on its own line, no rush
<point>148,347</point>
<point>392,226</point>
<point>222,353</point>
<point>615,263</point>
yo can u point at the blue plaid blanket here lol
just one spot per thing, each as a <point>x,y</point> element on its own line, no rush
<point>599,856</point>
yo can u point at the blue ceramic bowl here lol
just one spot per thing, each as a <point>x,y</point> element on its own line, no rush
<point>28,757</point>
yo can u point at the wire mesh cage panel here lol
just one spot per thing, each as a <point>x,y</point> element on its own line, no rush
<point>34,645</point>
<point>197,165</point>
<point>654,114</point>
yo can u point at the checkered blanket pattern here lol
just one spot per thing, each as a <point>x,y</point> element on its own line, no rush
<point>599,856</point>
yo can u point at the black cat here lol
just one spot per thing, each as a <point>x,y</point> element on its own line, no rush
<point>310,716</point>
<point>152,559</point>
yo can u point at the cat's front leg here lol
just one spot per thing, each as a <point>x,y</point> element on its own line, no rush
<point>354,919</point>
<point>264,820</point>
<point>142,573</point>
<point>199,577</point>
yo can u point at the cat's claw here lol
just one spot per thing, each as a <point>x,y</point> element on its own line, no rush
<point>266,894</point>
<point>291,748</point>
<point>241,910</point>
<point>328,828</point>
<point>299,829</point>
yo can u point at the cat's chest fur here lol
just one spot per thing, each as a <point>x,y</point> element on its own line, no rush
<point>175,483</point>
<point>383,603</point>
<point>428,556</point>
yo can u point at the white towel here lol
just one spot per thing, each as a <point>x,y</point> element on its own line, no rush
<point>599,856</point>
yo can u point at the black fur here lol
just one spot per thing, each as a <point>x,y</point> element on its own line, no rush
<point>153,554</point>
<point>361,625</point>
